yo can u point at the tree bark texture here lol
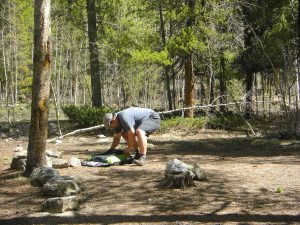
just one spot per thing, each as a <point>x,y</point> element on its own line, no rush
<point>167,68</point>
<point>222,79</point>
<point>188,64</point>
<point>189,85</point>
<point>94,54</point>
<point>36,155</point>
<point>248,106</point>
<point>211,83</point>
<point>298,75</point>
<point>248,35</point>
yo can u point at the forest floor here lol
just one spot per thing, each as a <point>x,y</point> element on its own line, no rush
<point>245,175</point>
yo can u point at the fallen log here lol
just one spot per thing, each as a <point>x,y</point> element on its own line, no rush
<point>76,132</point>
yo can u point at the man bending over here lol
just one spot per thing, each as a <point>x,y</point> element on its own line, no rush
<point>131,124</point>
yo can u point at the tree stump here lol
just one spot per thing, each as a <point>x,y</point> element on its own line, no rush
<point>181,175</point>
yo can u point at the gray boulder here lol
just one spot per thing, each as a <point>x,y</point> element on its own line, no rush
<point>60,186</point>
<point>175,166</point>
<point>41,175</point>
<point>60,204</point>
<point>199,172</point>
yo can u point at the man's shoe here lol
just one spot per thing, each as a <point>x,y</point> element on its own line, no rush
<point>141,161</point>
<point>137,154</point>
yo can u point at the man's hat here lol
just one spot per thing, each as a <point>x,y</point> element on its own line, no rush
<point>107,119</point>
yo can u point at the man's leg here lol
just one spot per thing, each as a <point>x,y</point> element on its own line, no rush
<point>142,132</point>
<point>142,141</point>
<point>124,135</point>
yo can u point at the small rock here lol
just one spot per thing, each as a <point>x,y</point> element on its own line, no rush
<point>48,161</point>
<point>59,163</point>
<point>57,142</point>
<point>199,172</point>
<point>150,145</point>
<point>53,153</point>
<point>75,162</point>
<point>19,148</point>
<point>103,140</point>
<point>22,154</point>
<point>101,136</point>
<point>60,204</point>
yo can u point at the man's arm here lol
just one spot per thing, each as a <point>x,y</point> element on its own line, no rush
<point>116,140</point>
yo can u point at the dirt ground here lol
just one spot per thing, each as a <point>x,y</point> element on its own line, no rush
<point>244,176</point>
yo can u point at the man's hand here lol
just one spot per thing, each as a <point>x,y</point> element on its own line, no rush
<point>127,151</point>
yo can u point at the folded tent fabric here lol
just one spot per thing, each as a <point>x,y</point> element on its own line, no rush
<point>107,158</point>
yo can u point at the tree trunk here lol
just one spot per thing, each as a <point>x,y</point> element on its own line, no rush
<point>16,68</point>
<point>248,35</point>
<point>223,98</point>
<point>167,68</point>
<point>188,65</point>
<point>248,106</point>
<point>6,79</point>
<point>256,93</point>
<point>36,155</point>
<point>263,93</point>
<point>189,85</point>
<point>168,86</point>
<point>174,89</point>
<point>211,83</point>
<point>270,99</point>
<point>94,54</point>
<point>298,75</point>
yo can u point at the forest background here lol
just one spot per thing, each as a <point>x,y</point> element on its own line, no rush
<point>230,65</point>
<point>231,55</point>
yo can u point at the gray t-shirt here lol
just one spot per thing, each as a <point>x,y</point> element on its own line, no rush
<point>132,117</point>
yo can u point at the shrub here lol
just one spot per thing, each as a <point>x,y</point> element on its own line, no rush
<point>197,122</point>
<point>229,121</point>
<point>85,115</point>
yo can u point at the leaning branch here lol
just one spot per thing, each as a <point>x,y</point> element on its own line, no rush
<point>76,132</point>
